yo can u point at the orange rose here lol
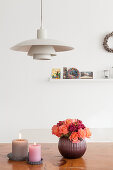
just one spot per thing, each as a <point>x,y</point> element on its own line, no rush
<point>68,121</point>
<point>82,133</point>
<point>88,133</point>
<point>74,120</point>
<point>74,137</point>
<point>55,131</point>
<point>63,129</point>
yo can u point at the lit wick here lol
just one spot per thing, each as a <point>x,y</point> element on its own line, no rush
<point>34,143</point>
<point>20,136</point>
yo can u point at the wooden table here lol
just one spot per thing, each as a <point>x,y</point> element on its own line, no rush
<point>99,156</point>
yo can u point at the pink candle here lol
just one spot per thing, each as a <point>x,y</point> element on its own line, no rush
<point>34,153</point>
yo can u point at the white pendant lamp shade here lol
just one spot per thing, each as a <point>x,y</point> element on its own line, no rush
<point>41,52</point>
<point>42,48</point>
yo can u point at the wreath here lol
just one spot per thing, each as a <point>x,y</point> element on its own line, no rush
<point>105,43</point>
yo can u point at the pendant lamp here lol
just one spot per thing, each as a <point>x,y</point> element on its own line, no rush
<point>42,48</point>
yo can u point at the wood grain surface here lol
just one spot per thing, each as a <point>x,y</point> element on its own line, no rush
<point>99,156</point>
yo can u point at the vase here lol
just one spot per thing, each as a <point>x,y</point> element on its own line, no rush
<point>71,150</point>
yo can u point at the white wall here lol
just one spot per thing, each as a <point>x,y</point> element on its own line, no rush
<point>27,99</point>
<point>98,135</point>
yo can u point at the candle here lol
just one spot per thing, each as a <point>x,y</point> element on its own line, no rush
<point>34,152</point>
<point>20,148</point>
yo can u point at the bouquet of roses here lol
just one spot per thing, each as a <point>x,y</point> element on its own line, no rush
<point>73,129</point>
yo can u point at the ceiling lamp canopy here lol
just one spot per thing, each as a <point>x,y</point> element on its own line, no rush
<point>42,48</point>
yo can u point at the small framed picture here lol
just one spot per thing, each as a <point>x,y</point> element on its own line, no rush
<point>70,73</point>
<point>56,73</point>
<point>86,75</point>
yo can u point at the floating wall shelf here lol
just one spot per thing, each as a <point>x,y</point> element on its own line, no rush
<point>80,80</point>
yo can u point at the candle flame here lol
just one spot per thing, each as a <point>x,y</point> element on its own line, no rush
<point>34,143</point>
<point>20,136</point>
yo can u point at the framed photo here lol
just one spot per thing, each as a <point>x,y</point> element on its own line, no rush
<point>56,73</point>
<point>70,73</point>
<point>73,73</point>
<point>86,75</point>
<point>65,74</point>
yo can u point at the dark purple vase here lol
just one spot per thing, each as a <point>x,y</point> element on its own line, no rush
<point>71,150</point>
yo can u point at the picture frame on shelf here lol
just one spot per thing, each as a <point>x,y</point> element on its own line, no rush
<point>65,74</point>
<point>71,73</point>
<point>86,75</point>
<point>56,73</point>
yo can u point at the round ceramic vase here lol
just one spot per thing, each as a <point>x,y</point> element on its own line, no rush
<point>71,150</point>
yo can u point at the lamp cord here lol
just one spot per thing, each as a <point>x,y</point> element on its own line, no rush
<point>41,14</point>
